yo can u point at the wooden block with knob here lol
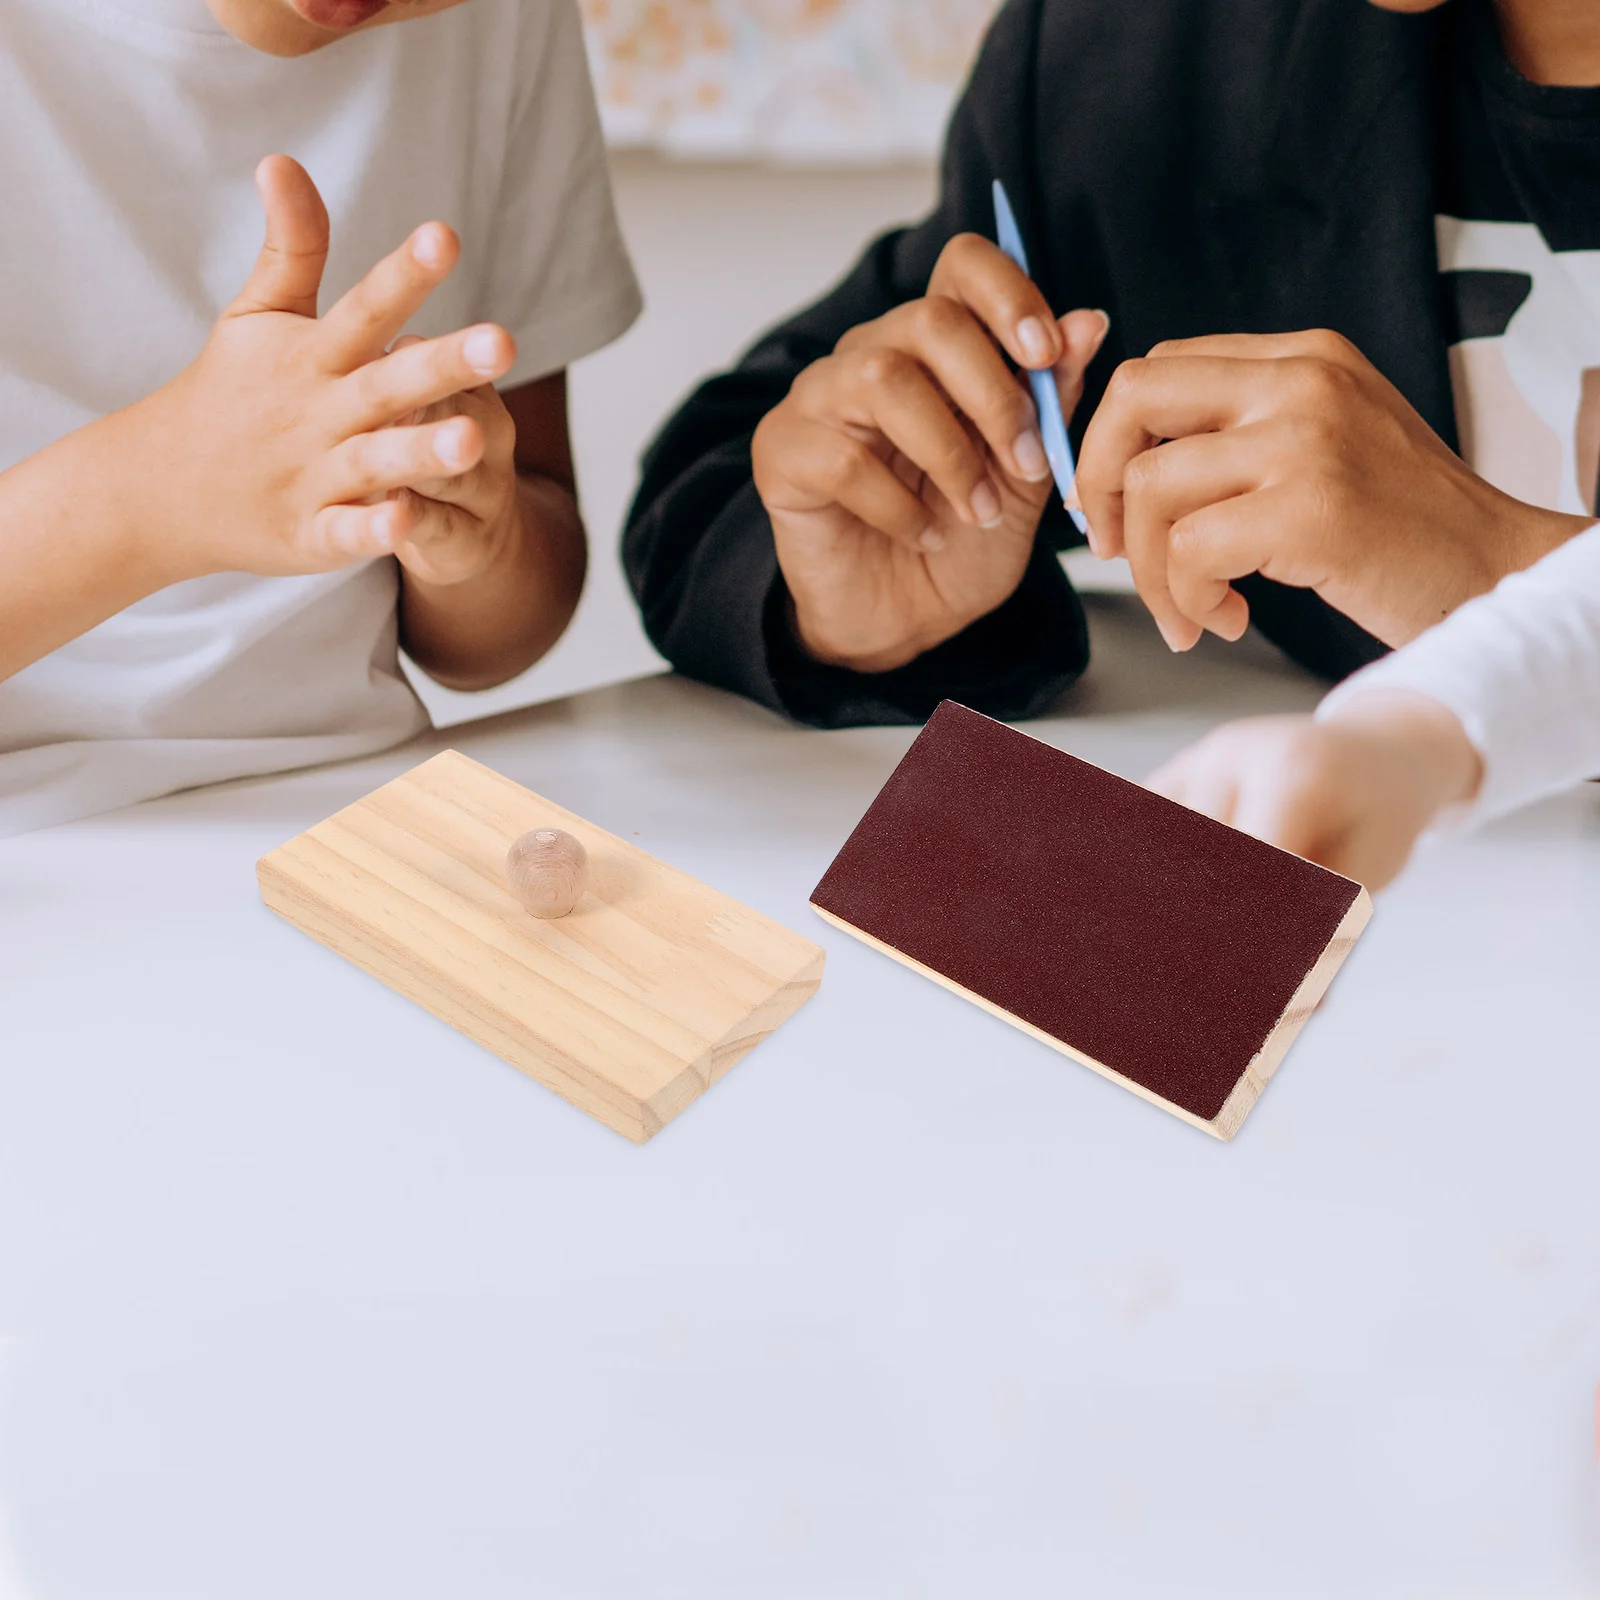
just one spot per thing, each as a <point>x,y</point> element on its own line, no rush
<point>621,983</point>
<point>1174,955</point>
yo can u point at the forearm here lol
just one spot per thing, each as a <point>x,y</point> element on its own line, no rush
<point>485,630</point>
<point>74,549</point>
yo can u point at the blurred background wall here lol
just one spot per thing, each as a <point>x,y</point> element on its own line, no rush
<point>757,146</point>
<point>835,80</point>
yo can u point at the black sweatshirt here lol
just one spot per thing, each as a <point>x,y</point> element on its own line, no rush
<point>1192,166</point>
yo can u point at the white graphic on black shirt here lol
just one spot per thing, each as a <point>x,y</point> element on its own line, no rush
<point>1527,380</point>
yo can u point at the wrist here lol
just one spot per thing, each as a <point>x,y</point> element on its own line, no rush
<point>118,471</point>
<point>1508,536</point>
<point>1536,533</point>
<point>1423,736</point>
<point>507,611</point>
<point>829,646</point>
<point>153,499</point>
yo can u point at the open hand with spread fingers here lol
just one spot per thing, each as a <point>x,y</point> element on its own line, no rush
<point>905,475</point>
<point>1291,455</point>
<point>301,444</point>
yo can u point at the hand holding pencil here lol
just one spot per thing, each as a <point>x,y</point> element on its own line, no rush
<point>906,473</point>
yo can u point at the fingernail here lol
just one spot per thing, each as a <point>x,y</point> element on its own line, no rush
<point>1094,543</point>
<point>985,505</point>
<point>1105,328</point>
<point>1031,460</point>
<point>427,247</point>
<point>381,532</point>
<point>1171,643</point>
<point>931,540</point>
<point>482,350</point>
<point>450,445</point>
<point>1035,340</point>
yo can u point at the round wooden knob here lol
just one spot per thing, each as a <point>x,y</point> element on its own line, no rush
<point>547,870</point>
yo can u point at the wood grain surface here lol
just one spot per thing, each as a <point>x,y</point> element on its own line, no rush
<point>631,1007</point>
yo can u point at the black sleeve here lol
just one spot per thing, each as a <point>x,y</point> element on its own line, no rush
<point>698,547</point>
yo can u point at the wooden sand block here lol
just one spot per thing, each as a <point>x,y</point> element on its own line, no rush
<point>1168,952</point>
<point>630,1006</point>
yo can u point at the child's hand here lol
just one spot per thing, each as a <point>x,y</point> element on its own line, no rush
<point>904,474</point>
<point>1352,793</point>
<point>276,452</point>
<point>460,521</point>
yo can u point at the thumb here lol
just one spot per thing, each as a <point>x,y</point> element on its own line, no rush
<point>1082,334</point>
<point>288,272</point>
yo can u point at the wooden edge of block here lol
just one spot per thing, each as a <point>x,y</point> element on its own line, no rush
<point>1300,1009</point>
<point>1027,1027</point>
<point>1263,1065</point>
<point>755,1029</point>
<point>636,1120</point>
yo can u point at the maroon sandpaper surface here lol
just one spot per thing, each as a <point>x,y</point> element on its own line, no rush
<point>1164,945</point>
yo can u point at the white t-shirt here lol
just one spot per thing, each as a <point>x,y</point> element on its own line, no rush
<point>129,134</point>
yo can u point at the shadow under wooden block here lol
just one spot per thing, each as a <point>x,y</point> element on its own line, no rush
<point>630,1007</point>
<point>1170,953</point>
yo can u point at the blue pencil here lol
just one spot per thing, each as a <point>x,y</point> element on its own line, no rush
<point>1052,420</point>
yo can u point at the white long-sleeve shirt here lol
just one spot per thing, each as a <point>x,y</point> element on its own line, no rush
<point>1520,668</point>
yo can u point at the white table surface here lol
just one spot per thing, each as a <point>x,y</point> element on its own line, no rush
<point>302,1294</point>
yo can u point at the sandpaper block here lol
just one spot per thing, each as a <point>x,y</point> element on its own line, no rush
<point>1170,953</point>
<point>630,998</point>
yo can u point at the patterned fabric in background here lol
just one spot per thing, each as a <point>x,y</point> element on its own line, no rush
<point>803,80</point>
